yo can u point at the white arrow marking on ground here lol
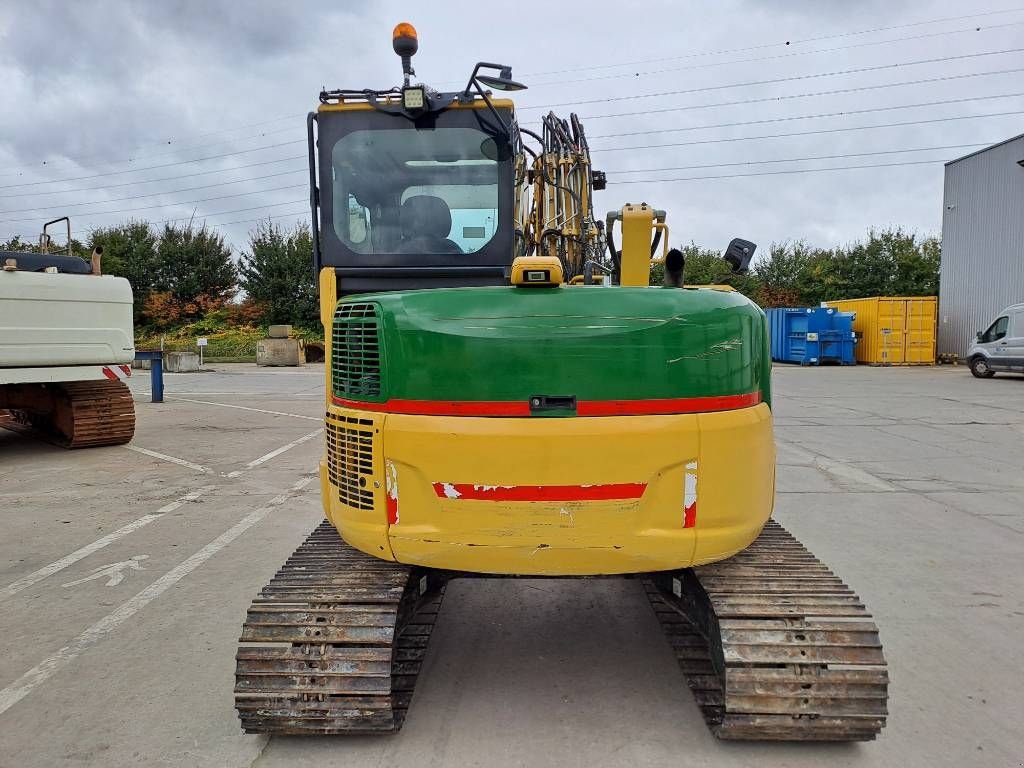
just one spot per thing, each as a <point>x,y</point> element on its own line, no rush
<point>114,573</point>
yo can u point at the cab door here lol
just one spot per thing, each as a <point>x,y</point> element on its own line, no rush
<point>1013,343</point>
<point>993,342</point>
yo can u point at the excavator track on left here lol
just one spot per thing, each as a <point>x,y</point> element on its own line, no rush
<point>335,642</point>
<point>76,414</point>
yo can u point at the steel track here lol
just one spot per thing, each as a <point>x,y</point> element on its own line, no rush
<point>335,642</point>
<point>774,646</point>
<point>80,414</point>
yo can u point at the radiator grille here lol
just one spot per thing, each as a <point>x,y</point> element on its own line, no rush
<point>355,354</point>
<point>350,459</point>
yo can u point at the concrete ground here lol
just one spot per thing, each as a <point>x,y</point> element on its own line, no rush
<point>125,574</point>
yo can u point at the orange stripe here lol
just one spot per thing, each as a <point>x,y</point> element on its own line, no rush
<point>663,406</point>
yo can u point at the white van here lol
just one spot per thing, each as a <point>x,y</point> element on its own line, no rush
<point>1001,347</point>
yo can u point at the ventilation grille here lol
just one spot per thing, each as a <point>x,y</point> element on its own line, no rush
<point>355,354</point>
<point>350,459</point>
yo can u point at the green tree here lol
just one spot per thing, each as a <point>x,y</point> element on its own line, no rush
<point>277,273</point>
<point>889,263</point>
<point>194,267</point>
<point>130,251</point>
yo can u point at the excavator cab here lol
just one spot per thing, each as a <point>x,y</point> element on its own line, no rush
<point>414,187</point>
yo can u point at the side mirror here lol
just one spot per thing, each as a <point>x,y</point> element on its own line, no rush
<point>738,254</point>
<point>979,335</point>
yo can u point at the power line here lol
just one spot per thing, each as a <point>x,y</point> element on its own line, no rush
<point>264,218</point>
<point>770,136</point>
<point>297,116</point>
<point>7,171</point>
<point>616,181</point>
<point>208,144</point>
<point>809,133</point>
<point>777,56</point>
<point>600,136</point>
<point>776,80</point>
<point>763,46</point>
<point>152,167</point>
<point>63,206</point>
<point>803,53</point>
<point>841,113</point>
<point>168,205</point>
<point>235,210</point>
<point>801,159</point>
<point>150,181</point>
<point>778,173</point>
<point>813,94</point>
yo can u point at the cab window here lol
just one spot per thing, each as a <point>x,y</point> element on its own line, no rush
<point>997,330</point>
<point>415,191</point>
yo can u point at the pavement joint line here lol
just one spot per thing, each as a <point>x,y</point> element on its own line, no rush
<point>834,467</point>
<point>166,457</point>
<point>274,453</point>
<point>59,565</point>
<point>52,664</point>
<point>246,408</point>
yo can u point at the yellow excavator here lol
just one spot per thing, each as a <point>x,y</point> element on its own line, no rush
<point>507,395</point>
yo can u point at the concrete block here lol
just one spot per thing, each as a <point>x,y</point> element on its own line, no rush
<point>181,362</point>
<point>280,352</point>
<point>279,331</point>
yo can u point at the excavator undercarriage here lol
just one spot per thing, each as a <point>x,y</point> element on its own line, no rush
<point>772,644</point>
<point>73,414</point>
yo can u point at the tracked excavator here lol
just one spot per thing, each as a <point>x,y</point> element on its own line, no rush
<point>66,346</point>
<point>506,395</point>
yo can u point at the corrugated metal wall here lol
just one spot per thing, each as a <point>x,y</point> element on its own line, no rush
<point>982,242</point>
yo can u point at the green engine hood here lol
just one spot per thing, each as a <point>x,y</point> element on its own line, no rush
<point>511,344</point>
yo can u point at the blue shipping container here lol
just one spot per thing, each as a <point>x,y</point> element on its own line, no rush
<point>812,335</point>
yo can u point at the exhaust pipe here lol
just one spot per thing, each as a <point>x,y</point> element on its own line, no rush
<point>97,254</point>
<point>674,264</point>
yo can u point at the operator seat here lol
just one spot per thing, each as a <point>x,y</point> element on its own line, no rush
<point>426,222</point>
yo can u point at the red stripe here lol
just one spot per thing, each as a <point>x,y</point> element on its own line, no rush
<point>667,406</point>
<point>690,516</point>
<point>127,370</point>
<point>615,491</point>
<point>392,509</point>
<point>109,374</point>
<point>442,407</point>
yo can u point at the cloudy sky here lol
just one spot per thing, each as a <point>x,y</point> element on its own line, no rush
<point>158,110</point>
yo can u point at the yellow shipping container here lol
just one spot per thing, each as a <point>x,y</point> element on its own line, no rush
<point>893,330</point>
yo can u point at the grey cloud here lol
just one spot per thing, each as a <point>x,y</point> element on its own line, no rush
<point>89,85</point>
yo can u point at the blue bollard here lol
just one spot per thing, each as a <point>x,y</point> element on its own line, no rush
<point>156,379</point>
<point>156,372</point>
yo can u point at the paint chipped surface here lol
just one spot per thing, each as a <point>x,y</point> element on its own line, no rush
<point>690,495</point>
<point>447,490</point>
<point>391,490</point>
<point>721,347</point>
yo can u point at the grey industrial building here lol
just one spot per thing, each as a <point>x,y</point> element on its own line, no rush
<point>982,241</point>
